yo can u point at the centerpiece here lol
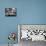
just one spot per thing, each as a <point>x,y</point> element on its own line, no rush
<point>11,37</point>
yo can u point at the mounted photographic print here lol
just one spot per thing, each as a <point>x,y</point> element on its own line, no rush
<point>10,11</point>
<point>32,32</point>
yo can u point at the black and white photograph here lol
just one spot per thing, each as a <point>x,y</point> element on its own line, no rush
<point>10,11</point>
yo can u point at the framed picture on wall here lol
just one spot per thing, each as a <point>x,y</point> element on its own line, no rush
<point>33,32</point>
<point>10,11</point>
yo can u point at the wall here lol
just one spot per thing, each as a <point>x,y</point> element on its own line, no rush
<point>28,12</point>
